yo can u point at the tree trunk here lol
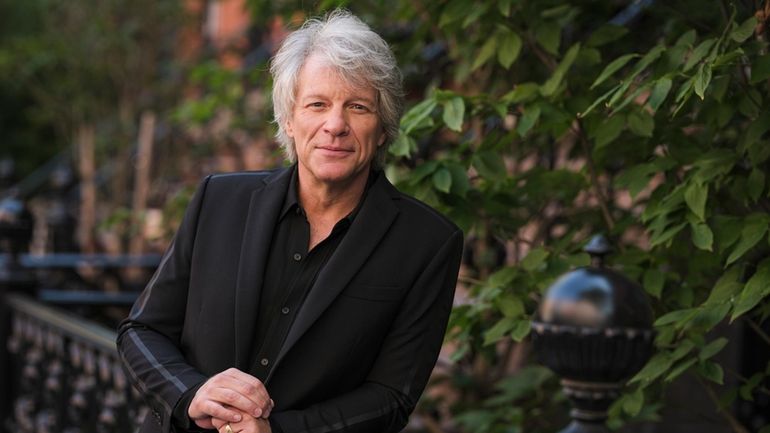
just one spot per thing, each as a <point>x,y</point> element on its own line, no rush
<point>141,182</point>
<point>85,142</point>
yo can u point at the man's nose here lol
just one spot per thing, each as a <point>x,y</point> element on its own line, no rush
<point>336,123</point>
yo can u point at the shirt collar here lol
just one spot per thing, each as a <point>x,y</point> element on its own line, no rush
<point>291,201</point>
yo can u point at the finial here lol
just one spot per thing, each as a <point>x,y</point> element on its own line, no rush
<point>598,247</point>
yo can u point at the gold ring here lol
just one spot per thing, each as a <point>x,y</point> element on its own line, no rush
<point>228,429</point>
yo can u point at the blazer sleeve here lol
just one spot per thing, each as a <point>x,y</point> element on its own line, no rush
<point>401,371</point>
<point>148,340</point>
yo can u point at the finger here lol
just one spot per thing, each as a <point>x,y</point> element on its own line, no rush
<point>271,405</point>
<point>249,387</point>
<point>246,383</point>
<point>215,409</point>
<point>217,423</point>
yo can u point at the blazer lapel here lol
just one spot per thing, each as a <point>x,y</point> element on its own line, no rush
<point>370,225</point>
<point>264,207</point>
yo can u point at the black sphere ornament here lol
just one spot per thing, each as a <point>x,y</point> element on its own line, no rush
<point>594,330</point>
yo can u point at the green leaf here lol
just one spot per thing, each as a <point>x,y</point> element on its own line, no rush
<point>681,368</point>
<point>754,229</point>
<point>659,93</point>
<point>495,333</point>
<point>641,123</point>
<point>598,101</point>
<point>685,347</point>
<point>487,51</point>
<point>509,49</point>
<point>712,348</point>
<point>489,165</point>
<point>550,86</point>
<point>677,316</point>
<point>442,180</point>
<point>744,31</point>
<point>756,289</point>
<point>504,6</point>
<point>646,61</point>
<point>696,196</point>
<point>528,119</point>
<point>702,80</point>
<point>702,236</point>
<point>613,67</point>
<point>534,259</point>
<point>455,11</point>
<point>454,112</point>
<point>404,145</point>
<point>633,402</point>
<point>521,330</point>
<point>712,371</point>
<point>653,282</point>
<point>548,35</point>
<point>415,116</point>
<point>521,93</point>
<point>657,365</point>
<point>760,70</point>
<point>636,178</point>
<point>606,34</point>
<point>756,184</point>
<point>727,231</point>
<point>475,13</point>
<point>460,183</point>
<point>663,236</point>
<point>727,286</point>
<point>699,53</point>
<point>609,130</point>
<point>511,306</point>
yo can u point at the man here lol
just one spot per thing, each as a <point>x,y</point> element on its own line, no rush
<point>312,298</point>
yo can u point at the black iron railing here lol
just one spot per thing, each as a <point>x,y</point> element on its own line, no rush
<point>65,374</point>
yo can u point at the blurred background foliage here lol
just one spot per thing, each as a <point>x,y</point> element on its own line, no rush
<point>533,124</point>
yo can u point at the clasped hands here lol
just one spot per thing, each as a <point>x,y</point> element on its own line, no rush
<point>235,399</point>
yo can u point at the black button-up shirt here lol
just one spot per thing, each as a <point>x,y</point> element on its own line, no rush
<point>290,272</point>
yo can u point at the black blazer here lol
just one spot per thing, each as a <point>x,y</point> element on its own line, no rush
<point>361,348</point>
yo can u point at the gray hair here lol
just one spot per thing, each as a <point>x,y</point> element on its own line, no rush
<point>357,53</point>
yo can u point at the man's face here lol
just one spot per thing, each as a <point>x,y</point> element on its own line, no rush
<point>335,127</point>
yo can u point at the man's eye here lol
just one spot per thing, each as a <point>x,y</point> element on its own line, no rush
<point>316,104</point>
<point>359,107</point>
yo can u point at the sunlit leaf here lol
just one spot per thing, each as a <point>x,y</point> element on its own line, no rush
<point>442,180</point>
<point>702,236</point>
<point>553,83</point>
<point>695,196</point>
<point>454,113</point>
<point>702,80</point>
<point>487,51</point>
<point>699,53</point>
<point>744,31</point>
<point>509,48</point>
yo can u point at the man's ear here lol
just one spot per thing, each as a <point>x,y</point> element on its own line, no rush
<point>288,129</point>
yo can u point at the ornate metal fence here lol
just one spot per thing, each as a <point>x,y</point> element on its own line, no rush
<point>65,374</point>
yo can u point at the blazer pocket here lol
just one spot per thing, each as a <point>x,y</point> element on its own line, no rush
<point>373,293</point>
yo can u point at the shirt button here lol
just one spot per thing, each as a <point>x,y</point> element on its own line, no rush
<point>297,257</point>
<point>264,362</point>
<point>285,310</point>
